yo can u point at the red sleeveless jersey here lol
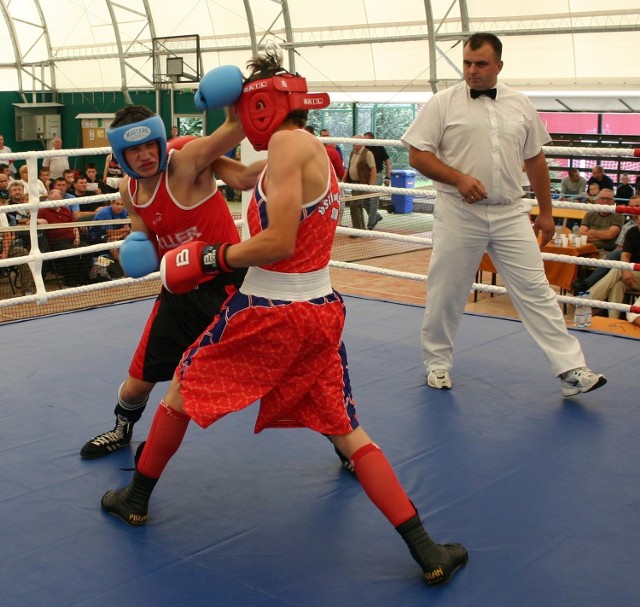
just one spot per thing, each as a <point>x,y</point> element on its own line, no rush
<point>174,224</point>
<point>318,222</point>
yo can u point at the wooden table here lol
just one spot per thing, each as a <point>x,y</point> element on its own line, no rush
<point>558,273</point>
<point>558,213</point>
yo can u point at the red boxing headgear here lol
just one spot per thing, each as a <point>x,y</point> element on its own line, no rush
<point>266,102</point>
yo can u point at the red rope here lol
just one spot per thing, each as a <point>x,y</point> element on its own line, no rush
<point>622,209</point>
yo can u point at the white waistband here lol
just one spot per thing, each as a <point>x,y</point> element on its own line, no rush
<point>287,287</point>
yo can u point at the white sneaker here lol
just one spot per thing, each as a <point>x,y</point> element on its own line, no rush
<point>439,379</point>
<point>581,380</point>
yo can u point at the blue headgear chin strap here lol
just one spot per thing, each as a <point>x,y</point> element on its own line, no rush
<point>137,133</point>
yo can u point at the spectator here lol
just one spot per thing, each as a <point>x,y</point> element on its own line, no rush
<point>174,132</point>
<point>24,177</point>
<point>110,233</point>
<point>17,196</point>
<point>573,186</point>
<point>94,185</point>
<point>57,165</point>
<point>361,169</point>
<point>602,228</point>
<point>5,169</point>
<point>75,270</point>
<point>625,190</point>
<point>61,184</point>
<point>43,175</point>
<point>11,247</point>
<point>583,285</point>
<point>5,149</point>
<point>69,176</point>
<point>617,282</point>
<point>326,133</point>
<point>334,157</point>
<point>383,175</point>
<point>598,176</point>
<point>4,188</point>
<point>113,172</point>
<point>80,190</point>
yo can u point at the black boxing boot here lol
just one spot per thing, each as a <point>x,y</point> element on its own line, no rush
<point>112,440</point>
<point>131,503</point>
<point>438,561</point>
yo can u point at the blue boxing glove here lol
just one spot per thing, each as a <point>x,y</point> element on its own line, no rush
<point>138,255</point>
<point>219,87</point>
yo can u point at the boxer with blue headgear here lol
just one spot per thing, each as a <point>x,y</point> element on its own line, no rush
<point>134,126</point>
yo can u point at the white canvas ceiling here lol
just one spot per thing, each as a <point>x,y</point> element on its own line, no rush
<point>566,54</point>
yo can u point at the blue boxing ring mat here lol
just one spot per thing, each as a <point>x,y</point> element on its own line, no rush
<point>543,491</point>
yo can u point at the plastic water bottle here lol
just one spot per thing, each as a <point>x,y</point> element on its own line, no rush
<point>558,236</point>
<point>580,314</point>
<point>587,310</point>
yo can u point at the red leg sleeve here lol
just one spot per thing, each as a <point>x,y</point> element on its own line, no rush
<point>381,484</point>
<point>165,436</point>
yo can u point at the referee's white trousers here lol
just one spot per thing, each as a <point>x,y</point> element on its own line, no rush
<point>461,234</point>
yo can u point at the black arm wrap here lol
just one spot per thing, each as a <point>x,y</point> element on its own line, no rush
<point>213,258</point>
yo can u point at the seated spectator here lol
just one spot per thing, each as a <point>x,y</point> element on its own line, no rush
<point>43,175</point>
<point>4,189</point>
<point>110,233</point>
<point>75,270</point>
<point>69,176</point>
<point>602,229</point>
<point>573,186</point>
<point>17,196</point>
<point>94,185</point>
<point>6,169</point>
<point>617,282</point>
<point>593,189</point>
<point>584,284</point>
<point>598,176</point>
<point>24,177</point>
<point>80,189</point>
<point>10,248</point>
<point>625,190</point>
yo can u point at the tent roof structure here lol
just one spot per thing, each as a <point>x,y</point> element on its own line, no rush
<point>568,55</point>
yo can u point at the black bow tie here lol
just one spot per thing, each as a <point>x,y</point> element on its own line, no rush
<point>489,93</point>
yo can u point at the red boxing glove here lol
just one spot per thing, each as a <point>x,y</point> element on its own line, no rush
<point>184,268</point>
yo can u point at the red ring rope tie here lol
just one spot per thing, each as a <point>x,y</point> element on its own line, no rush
<point>627,210</point>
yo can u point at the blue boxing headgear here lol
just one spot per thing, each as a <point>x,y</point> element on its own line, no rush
<point>137,133</point>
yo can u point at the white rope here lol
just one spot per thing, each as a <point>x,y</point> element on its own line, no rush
<point>581,301</point>
<point>547,149</point>
<point>54,153</point>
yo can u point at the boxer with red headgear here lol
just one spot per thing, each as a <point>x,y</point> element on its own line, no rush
<point>272,95</point>
<point>279,337</point>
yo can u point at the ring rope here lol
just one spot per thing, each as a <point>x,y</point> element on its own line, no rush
<point>547,149</point>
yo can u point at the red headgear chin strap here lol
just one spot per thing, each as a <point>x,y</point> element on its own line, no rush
<point>264,104</point>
